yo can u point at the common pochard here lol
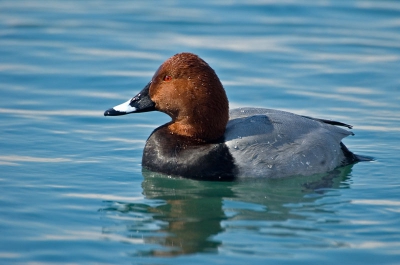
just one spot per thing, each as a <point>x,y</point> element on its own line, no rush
<point>206,141</point>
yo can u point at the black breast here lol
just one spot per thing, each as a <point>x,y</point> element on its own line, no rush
<point>181,156</point>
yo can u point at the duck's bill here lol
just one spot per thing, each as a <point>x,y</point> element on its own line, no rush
<point>139,103</point>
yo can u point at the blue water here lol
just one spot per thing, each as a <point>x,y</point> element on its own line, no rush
<point>72,189</point>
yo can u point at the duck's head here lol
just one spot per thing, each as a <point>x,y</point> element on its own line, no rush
<point>187,89</point>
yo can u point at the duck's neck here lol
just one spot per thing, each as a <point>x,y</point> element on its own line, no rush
<point>203,128</point>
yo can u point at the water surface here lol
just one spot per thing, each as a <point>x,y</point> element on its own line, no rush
<point>72,189</point>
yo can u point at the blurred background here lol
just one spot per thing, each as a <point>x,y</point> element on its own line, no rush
<point>72,189</point>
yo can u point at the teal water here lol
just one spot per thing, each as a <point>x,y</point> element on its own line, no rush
<point>72,190</point>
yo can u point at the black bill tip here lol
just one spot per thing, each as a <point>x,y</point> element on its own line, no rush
<point>113,112</point>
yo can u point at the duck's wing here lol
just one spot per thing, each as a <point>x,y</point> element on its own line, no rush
<point>259,121</point>
<point>331,122</point>
<point>279,143</point>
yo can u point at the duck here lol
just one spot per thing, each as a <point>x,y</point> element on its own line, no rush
<point>206,141</point>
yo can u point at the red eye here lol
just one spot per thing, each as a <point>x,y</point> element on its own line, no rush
<point>167,78</point>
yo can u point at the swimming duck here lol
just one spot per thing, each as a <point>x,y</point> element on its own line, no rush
<point>206,141</point>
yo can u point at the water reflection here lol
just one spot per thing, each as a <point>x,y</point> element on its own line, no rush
<point>182,216</point>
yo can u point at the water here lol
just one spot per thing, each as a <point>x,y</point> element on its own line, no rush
<point>71,186</point>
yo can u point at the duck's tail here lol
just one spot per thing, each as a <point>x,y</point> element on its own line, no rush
<point>362,158</point>
<point>351,158</point>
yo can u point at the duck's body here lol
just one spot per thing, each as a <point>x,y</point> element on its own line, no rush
<point>257,143</point>
<point>205,141</point>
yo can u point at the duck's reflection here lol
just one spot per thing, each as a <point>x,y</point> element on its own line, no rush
<point>193,211</point>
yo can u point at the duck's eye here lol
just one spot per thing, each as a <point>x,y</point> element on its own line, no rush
<point>167,78</point>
